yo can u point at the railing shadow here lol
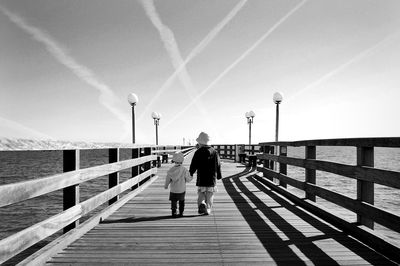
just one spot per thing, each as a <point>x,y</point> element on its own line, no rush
<point>145,219</point>
<point>278,248</point>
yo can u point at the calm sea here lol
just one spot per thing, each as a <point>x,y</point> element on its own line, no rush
<point>18,166</point>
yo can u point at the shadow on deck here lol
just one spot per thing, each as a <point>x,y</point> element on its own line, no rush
<point>250,224</point>
<point>301,244</point>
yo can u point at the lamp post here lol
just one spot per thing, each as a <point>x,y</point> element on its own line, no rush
<point>277,98</point>
<point>156,116</point>
<point>250,117</point>
<point>133,100</point>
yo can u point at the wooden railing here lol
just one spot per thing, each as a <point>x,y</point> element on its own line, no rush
<point>143,172</point>
<point>363,172</point>
<point>231,151</point>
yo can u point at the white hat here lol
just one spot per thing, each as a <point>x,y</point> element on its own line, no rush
<point>203,138</point>
<point>178,157</point>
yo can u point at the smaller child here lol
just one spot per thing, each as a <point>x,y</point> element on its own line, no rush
<point>177,176</point>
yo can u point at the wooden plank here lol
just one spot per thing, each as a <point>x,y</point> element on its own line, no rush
<point>16,192</point>
<point>383,217</point>
<point>18,242</point>
<point>270,174</point>
<point>95,201</point>
<point>57,245</point>
<point>365,235</point>
<point>250,224</point>
<point>24,239</point>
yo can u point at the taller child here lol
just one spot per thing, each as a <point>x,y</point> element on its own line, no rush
<point>208,166</point>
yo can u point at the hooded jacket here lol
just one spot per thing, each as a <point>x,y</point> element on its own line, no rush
<point>207,164</point>
<point>177,176</point>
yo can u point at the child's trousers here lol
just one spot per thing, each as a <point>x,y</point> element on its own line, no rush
<point>174,206</point>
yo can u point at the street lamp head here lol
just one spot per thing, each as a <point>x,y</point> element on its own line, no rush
<point>247,115</point>
<point>133,99</point>
<point>278,97</point>
<point>155,115</point>
<point>251,114</point>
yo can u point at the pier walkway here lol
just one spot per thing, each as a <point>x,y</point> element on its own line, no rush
<point>250,225</point>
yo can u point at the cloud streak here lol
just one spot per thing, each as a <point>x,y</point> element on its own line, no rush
<point>170,44</point>
<point>196,51</point>
<point>352,60</point>
<point>236,62</point>
<point>107,97</point>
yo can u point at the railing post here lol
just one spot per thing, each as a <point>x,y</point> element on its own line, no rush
<point>113,178</point>
<point>135,169</point>
<point>310,173</point>
<point>272,162</point>
<point>365,189</point>
<point>147,166</point>
<point>282,166</point>
<point>226,151</point>
<point>71,193</point>
<point>266,162</point>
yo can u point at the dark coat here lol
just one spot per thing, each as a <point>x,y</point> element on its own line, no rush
<point>208,166</point>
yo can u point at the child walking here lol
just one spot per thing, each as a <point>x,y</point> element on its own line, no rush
<point>176,178</point>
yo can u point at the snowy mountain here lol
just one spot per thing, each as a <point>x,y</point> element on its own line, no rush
<point>9,144</point>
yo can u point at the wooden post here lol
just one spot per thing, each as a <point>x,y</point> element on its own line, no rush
<point>236,153</point>
<point>282,166</point>
<point>71,193</point>
<point>266,162</point>
<point>310,173</point>
<point>226,151</point>
<point>271,162</point>
<point>113,179</point>
<point>365,189</point>
<point>135,169</point>
<point>147,166</point>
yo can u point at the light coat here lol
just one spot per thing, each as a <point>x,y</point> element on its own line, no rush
<point>177,177</point>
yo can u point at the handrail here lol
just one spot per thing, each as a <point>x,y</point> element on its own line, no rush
<point>355,142</point>
<point>143,171</point>
<point>364,173</point>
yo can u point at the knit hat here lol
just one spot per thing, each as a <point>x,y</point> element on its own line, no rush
<point>178,157</point>
<point>203,138</point>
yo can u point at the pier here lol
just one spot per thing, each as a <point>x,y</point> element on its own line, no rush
<point>256,219</point>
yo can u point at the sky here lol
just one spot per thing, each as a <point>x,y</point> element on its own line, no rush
<point>67,67</point>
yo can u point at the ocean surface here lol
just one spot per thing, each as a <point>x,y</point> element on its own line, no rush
<point>16,166</point>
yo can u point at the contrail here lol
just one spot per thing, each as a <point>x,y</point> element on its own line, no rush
<point>237,61</point>
<point>107,97</point>
<point>196,51</point>
<point>354,59</point>
<point>168,39</point>
<point>19,130</point>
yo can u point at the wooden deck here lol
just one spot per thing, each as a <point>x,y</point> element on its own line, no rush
<point>250,225</point>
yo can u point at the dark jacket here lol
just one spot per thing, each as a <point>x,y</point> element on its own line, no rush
<point>207,164</point>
